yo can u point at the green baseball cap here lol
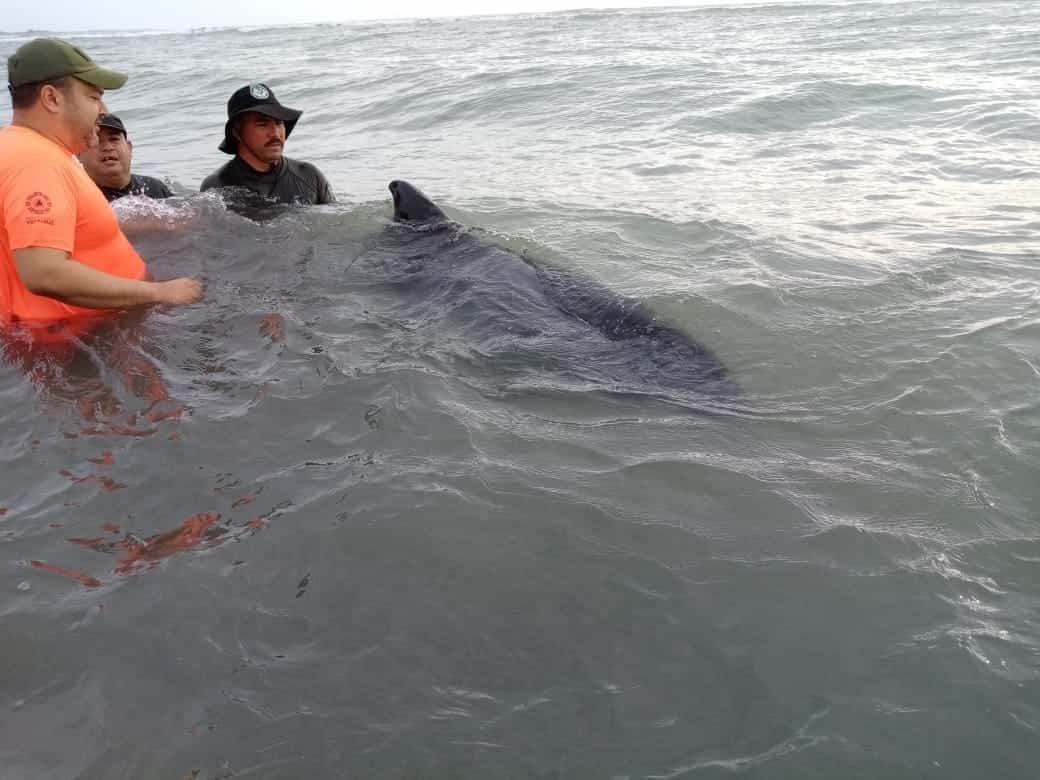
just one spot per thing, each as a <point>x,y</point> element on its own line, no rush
<point>43,59</point>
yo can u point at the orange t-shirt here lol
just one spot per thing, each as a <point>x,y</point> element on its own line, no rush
<point>48,200</point>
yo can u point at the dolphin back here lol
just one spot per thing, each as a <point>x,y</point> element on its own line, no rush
<point>654,351</point>
<point>668,353</point>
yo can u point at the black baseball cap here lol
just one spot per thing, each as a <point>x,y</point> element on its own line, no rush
<point>43,59</point>
<point>260,99</point>
<point>112,121</point>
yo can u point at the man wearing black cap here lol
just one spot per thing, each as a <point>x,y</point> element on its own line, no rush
<point>256,130</point>
<point>62,253</point>
<point>108,164</point>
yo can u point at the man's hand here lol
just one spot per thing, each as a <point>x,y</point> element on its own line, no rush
<point>176,292</point>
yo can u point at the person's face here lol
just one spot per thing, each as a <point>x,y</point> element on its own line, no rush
<point>80,106</point>
<point>108,163</point>
<point>261,137</point>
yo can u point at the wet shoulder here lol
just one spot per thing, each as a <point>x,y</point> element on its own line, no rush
<point>315,187</point>
<point>304,169</point>
<point>219,178</point>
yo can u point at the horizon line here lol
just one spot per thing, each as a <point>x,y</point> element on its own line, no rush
<point>666,6</point>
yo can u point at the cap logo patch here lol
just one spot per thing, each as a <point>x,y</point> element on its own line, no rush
<point>259,91</point>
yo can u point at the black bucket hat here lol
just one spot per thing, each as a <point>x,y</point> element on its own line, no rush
<point>260,99</point>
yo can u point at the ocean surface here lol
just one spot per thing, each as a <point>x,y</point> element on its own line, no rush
<point>312,528</point>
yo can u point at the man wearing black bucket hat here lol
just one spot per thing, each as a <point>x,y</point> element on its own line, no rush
<point>108,164</point>
<point>256,130</point>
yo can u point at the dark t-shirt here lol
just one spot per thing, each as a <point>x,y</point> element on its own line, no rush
<point>148,186</point>
<point>289,181</point>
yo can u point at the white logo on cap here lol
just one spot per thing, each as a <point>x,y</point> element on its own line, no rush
<point>259,91</point>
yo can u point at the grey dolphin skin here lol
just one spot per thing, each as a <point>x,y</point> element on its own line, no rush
<point>410,205</point>
<point>611,336</point>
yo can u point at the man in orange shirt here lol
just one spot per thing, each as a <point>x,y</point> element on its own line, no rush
<point>62,253</point>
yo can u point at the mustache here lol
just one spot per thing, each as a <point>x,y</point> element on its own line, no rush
<point>274,143</point>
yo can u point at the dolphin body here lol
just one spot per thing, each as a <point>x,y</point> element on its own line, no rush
<point>527,316</point>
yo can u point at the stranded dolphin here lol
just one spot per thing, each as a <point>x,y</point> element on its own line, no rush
<point>516,312</point>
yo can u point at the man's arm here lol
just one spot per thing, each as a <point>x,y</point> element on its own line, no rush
<point>52,272</point>
<point>324,191</point>
<point>325,194</point>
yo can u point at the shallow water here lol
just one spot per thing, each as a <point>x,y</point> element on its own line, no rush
<point>312,527</point>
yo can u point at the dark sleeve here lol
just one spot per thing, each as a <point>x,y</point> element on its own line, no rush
<point>162,191</point>
<point>325,193</point>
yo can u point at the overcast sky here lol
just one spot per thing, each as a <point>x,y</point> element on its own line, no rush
<point>65,15</point>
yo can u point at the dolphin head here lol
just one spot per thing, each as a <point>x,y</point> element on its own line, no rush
<point>410,205</point>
